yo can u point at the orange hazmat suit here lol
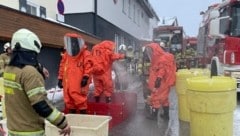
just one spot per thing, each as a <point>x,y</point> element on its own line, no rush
<point>162,66</point>
<point>104,56</point>
<point>73,68</point>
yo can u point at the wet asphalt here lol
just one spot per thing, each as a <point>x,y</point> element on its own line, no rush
<point>139,125</point>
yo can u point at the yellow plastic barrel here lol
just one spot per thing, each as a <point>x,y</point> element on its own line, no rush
<point>181,88</point>
<point>200,71</point>
<point>211,103</point>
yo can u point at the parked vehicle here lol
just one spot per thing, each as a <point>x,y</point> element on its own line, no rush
<point>172,36</point>
<point>219,39</point>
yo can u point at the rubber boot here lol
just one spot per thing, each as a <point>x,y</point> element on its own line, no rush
<point>153,114</point>
<point>83,112</point>
<point>97,99</point>
<point>72,111</point>
<point>108,99</point>
<point>165,114</point>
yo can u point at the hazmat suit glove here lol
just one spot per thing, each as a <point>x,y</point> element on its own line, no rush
<point>84,81</point>
<point>127,58</point>
<point>157,82</point>
<point>60,83</point>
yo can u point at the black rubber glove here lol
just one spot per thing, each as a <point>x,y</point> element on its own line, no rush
<point>128,58</point>
<point>60,83</point>
<point>84,81</point>
<point>157,82</point>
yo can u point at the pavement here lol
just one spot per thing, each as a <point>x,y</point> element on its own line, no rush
<point>139,125</point>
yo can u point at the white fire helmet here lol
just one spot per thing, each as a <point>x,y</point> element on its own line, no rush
<point>122,47</point>
<point>130,47</point>
<point>162,44</point>
<point>6,46</point>
<point>27,40</point>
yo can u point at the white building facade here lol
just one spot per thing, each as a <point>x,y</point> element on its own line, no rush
<point>40,8</point>
<point>124,21</point>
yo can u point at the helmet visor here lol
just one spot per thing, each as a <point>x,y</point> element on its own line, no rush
<point>73,45</point>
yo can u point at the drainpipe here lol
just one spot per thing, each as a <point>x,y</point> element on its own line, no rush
<point>95,18</point>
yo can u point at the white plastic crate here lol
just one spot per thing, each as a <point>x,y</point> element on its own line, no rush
<point>83,125</point>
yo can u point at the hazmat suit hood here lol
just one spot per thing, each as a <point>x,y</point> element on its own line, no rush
<point>74,44</point>
<point>154,51</point>
<point>109,45</point>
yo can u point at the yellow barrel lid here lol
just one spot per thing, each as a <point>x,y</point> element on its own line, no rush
<point>200,71</point>
<point>186,73</point>
<point>211,84</point>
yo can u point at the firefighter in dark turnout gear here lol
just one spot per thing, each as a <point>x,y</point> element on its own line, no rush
<point>26,101</point>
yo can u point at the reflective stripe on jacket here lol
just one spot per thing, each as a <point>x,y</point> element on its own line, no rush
<point>36,133</point>
<point>24,88</point>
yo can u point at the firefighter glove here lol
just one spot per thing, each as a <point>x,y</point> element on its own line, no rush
<point>84,81</point>
<point>60,83</point>
<point>157,82</point>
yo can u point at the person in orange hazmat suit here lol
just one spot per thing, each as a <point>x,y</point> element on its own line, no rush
<point>75,73</point>
<point>161,78</point>
<point>104,56</point>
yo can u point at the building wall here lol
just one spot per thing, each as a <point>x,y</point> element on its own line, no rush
<point>50,5</point>
<point>130,17</point>
<point>83,21</point>
<point>53,56</point>
<point>127,15</point>
<point>10,3</point>
<point>153,24</point>
<point>50,33</point>
<point>78,6</point>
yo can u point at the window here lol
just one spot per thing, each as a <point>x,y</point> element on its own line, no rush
<point>134,13</point>
<point>124,7</point>
<point>223,12</point>
<point>138,16</point>
<point>129,9</point>
<point>235,21</point>
<point>117,41</point>
<point>33,9</point>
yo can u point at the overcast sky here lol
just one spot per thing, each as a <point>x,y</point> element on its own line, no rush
<point>186,11</point>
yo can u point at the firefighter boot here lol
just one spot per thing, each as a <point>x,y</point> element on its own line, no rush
<point>83,111</point>
<point>153,114</point>
<point>72,111</point>
<point>108,99</point>
<point>165,114</point>
<point>97,99</point>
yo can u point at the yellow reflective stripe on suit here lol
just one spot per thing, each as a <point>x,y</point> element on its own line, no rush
<point>36,133</point>
<point>35,91</point>
<point>12,84</point>
<point>53,116</point>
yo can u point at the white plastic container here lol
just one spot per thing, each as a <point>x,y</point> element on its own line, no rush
<point>3,130</point>
<point>83,125</point>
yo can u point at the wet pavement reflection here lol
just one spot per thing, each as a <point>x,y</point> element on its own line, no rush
<point>139,125</point>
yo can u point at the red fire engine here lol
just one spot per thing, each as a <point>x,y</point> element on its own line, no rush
<point>190,52</point>
<point>172,36</point>
<point>219,39</point>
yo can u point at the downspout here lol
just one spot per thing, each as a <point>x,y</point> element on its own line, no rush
<point>95,18</point>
